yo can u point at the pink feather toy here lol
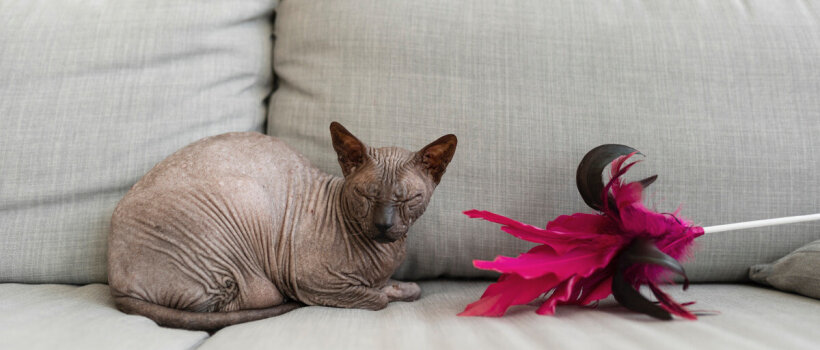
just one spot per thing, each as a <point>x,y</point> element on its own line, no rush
<point>582,258</point>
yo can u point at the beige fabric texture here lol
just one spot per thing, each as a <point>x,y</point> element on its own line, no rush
<point>750,318</point>
<point>722,97</point>
<point>93,94</point>
<point>797,272</point>
<point>69,317</point>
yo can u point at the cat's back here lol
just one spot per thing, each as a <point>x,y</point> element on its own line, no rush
<point>246,154</point>
<point>238,169</point>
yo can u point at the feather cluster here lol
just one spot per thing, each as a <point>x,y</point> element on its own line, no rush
<point>582,258</point>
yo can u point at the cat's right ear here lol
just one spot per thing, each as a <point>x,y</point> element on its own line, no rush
<point>350,150</point>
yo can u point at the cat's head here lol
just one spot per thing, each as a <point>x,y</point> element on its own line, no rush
<point>387,189</point>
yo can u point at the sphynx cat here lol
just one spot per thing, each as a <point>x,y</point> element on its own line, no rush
<point>239,227</point>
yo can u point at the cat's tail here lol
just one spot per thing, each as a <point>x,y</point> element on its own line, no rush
<point>204,321</point>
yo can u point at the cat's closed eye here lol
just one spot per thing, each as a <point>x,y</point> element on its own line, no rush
<point>368,192</point>
<point>412,198</point>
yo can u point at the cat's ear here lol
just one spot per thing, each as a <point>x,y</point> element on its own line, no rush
<point>433,158</point>
<point>351,151</point>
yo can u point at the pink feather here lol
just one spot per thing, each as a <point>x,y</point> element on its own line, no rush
<point>575,257</point>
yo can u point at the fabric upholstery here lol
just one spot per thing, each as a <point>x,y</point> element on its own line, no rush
<point>93,94</point>
<point>49,316</point>
<point>750,318</point>
<point>69,317</point>
<point>722,97</point>
<point>797,272</point>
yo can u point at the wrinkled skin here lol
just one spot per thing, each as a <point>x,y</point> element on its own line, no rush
<point>231,227</point>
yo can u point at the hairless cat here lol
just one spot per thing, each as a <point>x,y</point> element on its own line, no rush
<point>239,227</point>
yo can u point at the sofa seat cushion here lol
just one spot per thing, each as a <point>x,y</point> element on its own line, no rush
<point>51,316</point>
<point>70,317</point>
<point>750,318</point>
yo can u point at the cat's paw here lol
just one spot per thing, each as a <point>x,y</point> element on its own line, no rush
<point>402,291</point>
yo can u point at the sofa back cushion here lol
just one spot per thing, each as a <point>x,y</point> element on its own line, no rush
<point>93,94</point>
<point>723,98</point>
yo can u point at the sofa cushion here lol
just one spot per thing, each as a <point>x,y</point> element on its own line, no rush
<point>750,318</point>
<point>49,316</point>
<point>722,97</point>
<point>93,94</point>
<point>798,272</point>
<point>69,317</point>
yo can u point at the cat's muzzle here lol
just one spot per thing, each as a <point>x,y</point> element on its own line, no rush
<point>388,234</point>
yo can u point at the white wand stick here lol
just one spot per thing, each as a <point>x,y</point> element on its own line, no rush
<point>761,223</point>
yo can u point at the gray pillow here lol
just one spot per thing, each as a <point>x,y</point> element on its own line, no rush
<point>93,94</point>
<point>723,99</point>
<point>797,272</point>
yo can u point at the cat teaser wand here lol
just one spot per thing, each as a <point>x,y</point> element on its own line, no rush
<point>582,258</point>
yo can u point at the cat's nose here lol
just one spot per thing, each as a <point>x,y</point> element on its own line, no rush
<point>383,218</point>
<point>383,228</point>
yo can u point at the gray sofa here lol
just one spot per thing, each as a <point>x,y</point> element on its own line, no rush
<point>722,97</point>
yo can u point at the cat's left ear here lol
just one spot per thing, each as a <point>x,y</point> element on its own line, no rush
<point>351,151</point>
<point>434,157</point>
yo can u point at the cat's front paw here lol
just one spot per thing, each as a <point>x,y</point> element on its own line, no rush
<point>402,291</point>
